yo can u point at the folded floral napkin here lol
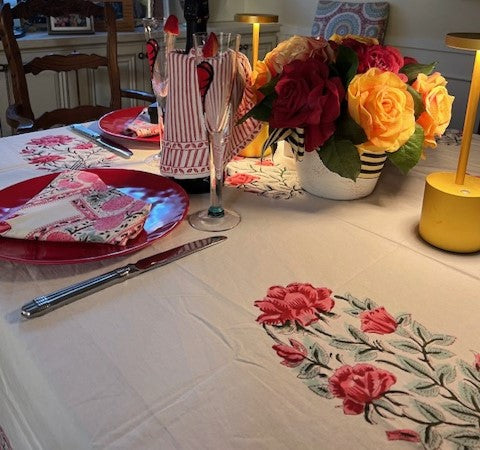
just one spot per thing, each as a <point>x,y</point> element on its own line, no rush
<point>142,127</point>
<point>78,206</point>
<point>185,151</point>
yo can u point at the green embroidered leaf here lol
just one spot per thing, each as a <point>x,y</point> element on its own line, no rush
<point>461,412</point>
<point>408,155</point>
<point>431,438</point>
<point>443,339</point>
<point>406,346</point>
<point>309,371</point>
<point>439,353</point>
<point>469,371</point>
<point>466,438</point>
<point>352,312</point>
<point>421,331</point>
<point>418,105</point>
<point>412,70</point>
<point>319,354</point>
<point>360,336</point>
<point>342,344</point>
<point>341,157</point>
<point>429,412</point>
<point>383,405</point>
<point>403,319</point>
<point>415,367</point>
<point>370,304</point>
<point>355,302</point>
<point>365,354</point>
<point>425,389</point>
<point>348,129</point>
<point>469,394</point>
<point>321,389</point>
<point>446,373</point>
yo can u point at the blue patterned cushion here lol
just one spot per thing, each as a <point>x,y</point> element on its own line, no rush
<point>364,19</point>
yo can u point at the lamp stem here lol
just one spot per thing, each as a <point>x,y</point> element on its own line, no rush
<point>255,43</point>
<point>470,115</point>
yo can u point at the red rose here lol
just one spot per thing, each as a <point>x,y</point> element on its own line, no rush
<point>240,178</point>
<point>409,60</point>
<point>359,385</point>
<point>307,98</point>
<point>378,321</point>
<point>383,57</point>
<point>403,435</point>
<point>297,302</point>
<point>292,356</point>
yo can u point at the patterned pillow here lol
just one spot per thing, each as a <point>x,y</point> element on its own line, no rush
<point>364,19</point>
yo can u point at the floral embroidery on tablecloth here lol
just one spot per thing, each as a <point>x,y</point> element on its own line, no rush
<point>383,367</point>
<point>263,177</point>
<point>4,442</point>
<point>59,152</point>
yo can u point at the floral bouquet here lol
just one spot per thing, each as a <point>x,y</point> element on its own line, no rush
<point>349,96</point>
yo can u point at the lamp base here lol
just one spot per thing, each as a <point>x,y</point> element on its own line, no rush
<point>450,217</point>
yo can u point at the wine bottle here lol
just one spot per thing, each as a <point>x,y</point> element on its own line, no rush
<point>196,16</point>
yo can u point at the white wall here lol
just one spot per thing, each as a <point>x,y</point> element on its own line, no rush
<point>417,27</point>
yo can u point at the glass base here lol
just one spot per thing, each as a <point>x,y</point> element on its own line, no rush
<point>201,220</point>
<point>153,160</point>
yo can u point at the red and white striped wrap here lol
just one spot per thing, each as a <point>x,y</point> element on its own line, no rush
<point>185,152</point>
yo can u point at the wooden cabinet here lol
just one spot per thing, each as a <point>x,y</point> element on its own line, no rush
<point>51,90</point>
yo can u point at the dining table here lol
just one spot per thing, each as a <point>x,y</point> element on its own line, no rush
<point>317,323</point>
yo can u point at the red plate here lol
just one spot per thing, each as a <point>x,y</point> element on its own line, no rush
<point>169,207</point>
<point>114,123</point>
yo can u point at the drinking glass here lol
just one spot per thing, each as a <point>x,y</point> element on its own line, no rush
<point>159,45</point>
<point>217,117</point>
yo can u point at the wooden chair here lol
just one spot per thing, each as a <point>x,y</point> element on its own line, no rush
<point>20,115</point>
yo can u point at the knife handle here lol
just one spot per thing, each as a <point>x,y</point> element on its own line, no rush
<point>46,303</point>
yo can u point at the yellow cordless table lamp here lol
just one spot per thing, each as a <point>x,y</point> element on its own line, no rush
<point>450,217</point>
<point>254,149</point>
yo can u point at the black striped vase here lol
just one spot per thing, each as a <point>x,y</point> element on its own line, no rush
<point>315,178</point>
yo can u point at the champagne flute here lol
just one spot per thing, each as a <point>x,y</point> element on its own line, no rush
<point>216,73</point>
<point>159,44</point>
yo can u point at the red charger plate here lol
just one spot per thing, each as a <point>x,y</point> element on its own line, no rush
<point>169,207</point>
<point>114,123</point>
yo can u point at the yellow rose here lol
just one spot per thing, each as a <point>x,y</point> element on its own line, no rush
<point>438,106</point>
<point>380,103</point>
<point>338,38</point>
<point>261,74</point>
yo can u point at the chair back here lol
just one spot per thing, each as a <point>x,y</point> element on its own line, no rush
<point>19,114</point>
<point>363,19</point>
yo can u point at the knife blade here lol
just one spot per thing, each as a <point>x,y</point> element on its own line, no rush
<point>114,147</point>
<point>46,303</point>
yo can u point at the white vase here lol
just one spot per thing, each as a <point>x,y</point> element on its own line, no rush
<point>316,179</point>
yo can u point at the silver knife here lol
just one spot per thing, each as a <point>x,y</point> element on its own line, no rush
<point>118,149</point>
<point>46,303</point>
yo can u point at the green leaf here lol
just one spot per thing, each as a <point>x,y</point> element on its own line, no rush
<point>429,412</point>
<point>370,304</point>
<point>268,89</point>
<point>431,438</point>
<point>439,353</point>
<point>412,70</point>
<point>349,130</point>
<point>415,367</point>
<point>321,389</point>
<point>443,339</point>
<point>467,438</point>
<point>403,319</point>
<point>341,157</point>
<point>425,389</point>
<point>261,111</point>
<point>360,336</point>
<point>469,394</point>
<point>352,312</point>
<point>469,371</point>
<point>461,412</point>
<point>446,373</point>
<point>406,346</point>
<point>319,354</point>
<point>408,155</point>
<point>309,371</point>
<point>365,354</point>
<point>384,405</point>
<point>346,64</point>
<point>418,105</point>
<point>355,302</point>
<point>342,344</point>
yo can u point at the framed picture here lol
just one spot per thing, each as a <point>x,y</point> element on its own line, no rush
<point>124,13</point>
<point>70,24</point>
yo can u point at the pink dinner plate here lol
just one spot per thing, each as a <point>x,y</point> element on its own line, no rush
<point>114,123</point>
<point>169,207</point>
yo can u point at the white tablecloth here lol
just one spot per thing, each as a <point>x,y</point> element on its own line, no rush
<point>177,358</point>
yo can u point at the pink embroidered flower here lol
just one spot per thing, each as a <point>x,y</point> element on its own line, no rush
<point>265,162</point>
<point>69,184</point>
<point>238,158</point>
<point>359,385</point>
<point>83,146</point>
<point>292,356</point>
<point>109,223</point>
<point>297,302</point>
<point>93,180</point>
<point>117,203</point>
<point>378,321</point>
<point>46,159</point>
<point>403,435</point>
<point>241,178</point>
<point>51,140</point>
<point>477,361</point>
<point>60,236</point>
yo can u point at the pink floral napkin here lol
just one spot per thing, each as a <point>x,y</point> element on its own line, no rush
<point>78,206</point>
<point>142,127</point>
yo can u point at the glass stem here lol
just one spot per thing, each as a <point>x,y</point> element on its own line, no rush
<point>161,102</point>
<point>216,175</point>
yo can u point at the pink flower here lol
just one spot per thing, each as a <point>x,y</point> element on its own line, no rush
<point>378,321</point>
<point>292,356</point>
<point>83,146</point>
<point>409,60</point>
<point>51,140</point>
<point>477,361</point>
<point>403,435</point>
<point>109,223</point>
<point>359,385</point>
<point>117,203</point>
<point>60,236</point>
<point>46,159</point>
<point>298,302</point>
<point>241,178</point>
<point>265,162</point>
